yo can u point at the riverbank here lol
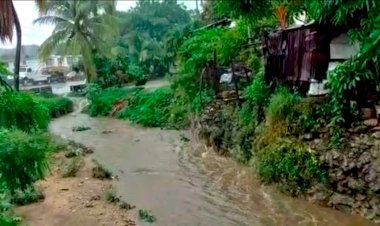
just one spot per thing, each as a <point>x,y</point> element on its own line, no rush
<point>75,200</point>
<point>186,185</point>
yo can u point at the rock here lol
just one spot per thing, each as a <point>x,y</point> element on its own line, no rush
<point>137,140</point>
<point>371,122</point>
<point>64,189</point>
<point>360,197</point>
<point>359,129</point>
<point>95,198</point>
<point>364,158</point>
<point>107,131</point>
<point>376,128</point>
<point>376,135</point>
<point>339,199</point>
<point>307,137</point>
<point>89,205</point>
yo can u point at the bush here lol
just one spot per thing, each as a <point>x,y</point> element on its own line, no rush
<point>290,164</point>
<point>149,108</point>
<point>147,216</point>
<point>7,221</point>
<point>56,105</point>
<point>102,100</point>
<point>20,110</point>
<point>71,166</point>
<point>101,172</point>
<point>29,195</point>
<point>136,73</point>
<point>257,96</point>
<point>22,158</point>
<point>111,196</point>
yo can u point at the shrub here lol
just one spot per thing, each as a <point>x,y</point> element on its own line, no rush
<point>101,172</point>
<point>22,158</point>
<point>147,216</point>
<point>102,100</point>
<point>56,105</point>
<point>71,166</point>
<point>281,118</point>
<point>290,164</point>
<point>20,110</point>
<point>111,196</point>
<point>257,96</point>
<point>29,195</point>
<point>149,108</point>
<point>7,221</point>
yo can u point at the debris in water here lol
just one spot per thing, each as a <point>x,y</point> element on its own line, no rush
<point>184,138</point>
<point>147,216</point>
<point>80,128</point>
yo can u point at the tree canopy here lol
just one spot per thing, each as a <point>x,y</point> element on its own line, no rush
<point>81,28</point>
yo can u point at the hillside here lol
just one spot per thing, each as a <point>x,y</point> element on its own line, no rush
<point>28,51</point>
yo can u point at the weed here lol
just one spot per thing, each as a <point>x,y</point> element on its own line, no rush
<point>111,196</point>
<point>22,111</point>
<point>8,220</point>
<point>22,158</point>
<point>56,105</point>
<point>100,172</point>
<point>125,205</point>
<point>71,167</point>
<point>149,108</point>
<point>290,164</point>
<point>29,195</point>
<point>147,216</point>
<point>102,100</point>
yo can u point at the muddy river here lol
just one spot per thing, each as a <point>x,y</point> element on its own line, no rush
<point>183,184</point>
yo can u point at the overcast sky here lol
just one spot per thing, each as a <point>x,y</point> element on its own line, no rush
<point>36,34</point>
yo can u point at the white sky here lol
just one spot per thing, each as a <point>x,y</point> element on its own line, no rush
<point>36,34</point>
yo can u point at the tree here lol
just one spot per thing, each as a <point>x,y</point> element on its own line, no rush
<point>144,30</point>
<point>81,28</point>
<point>9,20</point>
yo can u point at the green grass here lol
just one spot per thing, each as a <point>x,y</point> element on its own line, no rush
<point>22,158</point>
<point>102,100</point>
<point>22,111</point>
<point>149,108</point>
<point>56,105</point>
<point>289,163</point>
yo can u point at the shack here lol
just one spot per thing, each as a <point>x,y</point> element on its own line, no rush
<point>302,55</point>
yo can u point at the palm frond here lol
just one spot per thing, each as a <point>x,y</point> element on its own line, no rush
<point>51,44</point>
<point>52,20</point>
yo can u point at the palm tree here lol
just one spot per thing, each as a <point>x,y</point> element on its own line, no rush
<point>81,28</point>
<point>10,20</point>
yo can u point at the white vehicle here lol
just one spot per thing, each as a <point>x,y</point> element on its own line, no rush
<point>36,77</point>
<point>24,72</point>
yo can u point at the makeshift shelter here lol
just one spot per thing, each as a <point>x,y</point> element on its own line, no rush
<point>299,55</point>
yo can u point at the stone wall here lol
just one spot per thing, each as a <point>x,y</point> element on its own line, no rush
<point>354,172</point>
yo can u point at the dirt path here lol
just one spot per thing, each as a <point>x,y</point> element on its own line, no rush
<point>74,201</point>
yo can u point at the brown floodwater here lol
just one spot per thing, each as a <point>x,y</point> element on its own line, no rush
<point>187,185</point>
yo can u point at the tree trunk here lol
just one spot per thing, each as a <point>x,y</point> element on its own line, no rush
<point>196,3</point>
<point>18,50</point>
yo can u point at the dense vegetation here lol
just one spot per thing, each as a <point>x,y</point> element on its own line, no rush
<point>259,130</point>
<point>24,145</point>
<point>264,130</point>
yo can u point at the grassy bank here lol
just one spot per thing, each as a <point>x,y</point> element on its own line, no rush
<point>161,107</point>
<point>25,146</point>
